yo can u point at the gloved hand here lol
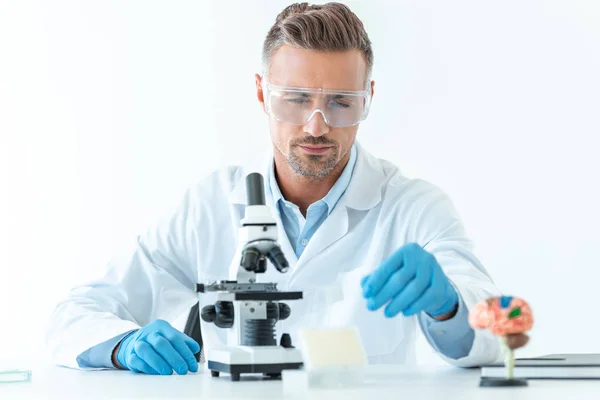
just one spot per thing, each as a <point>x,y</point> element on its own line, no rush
<point>158,349</point>
<point>411,281</point>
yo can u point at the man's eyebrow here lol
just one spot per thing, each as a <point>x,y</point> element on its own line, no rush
<point>343,97</point>
<point>301,94</point>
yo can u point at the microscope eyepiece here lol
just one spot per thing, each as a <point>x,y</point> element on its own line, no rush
<point>255,190</point>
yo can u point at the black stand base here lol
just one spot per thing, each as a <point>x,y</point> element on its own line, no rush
<point>271,371</point>
<point>502,382</point>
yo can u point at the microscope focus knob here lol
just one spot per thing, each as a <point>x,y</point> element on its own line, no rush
<point>224,317</point>
<point>208,313</point>
<point>278,311</point>
<point>284,311</point>
<point>221,314</point>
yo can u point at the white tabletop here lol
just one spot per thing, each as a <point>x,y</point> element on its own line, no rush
<point>49,382</point>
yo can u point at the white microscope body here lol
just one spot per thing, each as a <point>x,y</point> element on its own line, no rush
<point>247,309</point>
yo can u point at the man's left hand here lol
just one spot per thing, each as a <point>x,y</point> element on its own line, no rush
<point>410,281</point>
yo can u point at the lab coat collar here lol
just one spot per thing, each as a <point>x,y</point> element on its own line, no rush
<point>366,185</point>
<point>334,194</point>
<point>363,192</point>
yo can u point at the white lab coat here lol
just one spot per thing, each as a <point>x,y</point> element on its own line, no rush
<point>380,211</point>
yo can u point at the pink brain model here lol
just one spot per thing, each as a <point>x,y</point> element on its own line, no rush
<point>504,316</point>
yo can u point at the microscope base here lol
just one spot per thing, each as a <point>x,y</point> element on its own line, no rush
<point>266,360</point>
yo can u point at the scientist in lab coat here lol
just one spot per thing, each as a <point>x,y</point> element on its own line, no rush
<point>396,246</point>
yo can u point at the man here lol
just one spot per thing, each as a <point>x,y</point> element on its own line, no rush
<point>346,217</point>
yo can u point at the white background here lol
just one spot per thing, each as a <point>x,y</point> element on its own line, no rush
<point>110,110</point>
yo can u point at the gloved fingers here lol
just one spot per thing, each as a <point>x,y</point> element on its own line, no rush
<point>429,296</point>
<point>364,280</point>
<point>407,295</point>
<point>382,274</point>
<point>165,349</point>
<point>191,343</point>
<point>147,353</point>
<point>396,283</point>
<point>172,334</point>
<point>392,287</point>
<point>136,364</point>
<point>185,346</point>
<point>185,351</point>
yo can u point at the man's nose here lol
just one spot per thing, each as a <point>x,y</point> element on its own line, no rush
<point>316,125</point>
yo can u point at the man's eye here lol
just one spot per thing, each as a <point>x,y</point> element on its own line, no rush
<point>339,104</point>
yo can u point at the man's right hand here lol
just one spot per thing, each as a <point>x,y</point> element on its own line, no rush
<point>157,349</point>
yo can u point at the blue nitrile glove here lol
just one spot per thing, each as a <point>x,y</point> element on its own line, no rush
<point>411,281</point>
<point>158,349</point>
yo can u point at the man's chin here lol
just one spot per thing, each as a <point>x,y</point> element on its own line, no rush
<point>311,165</point>
<point>313,162</point>
<point>313,169</point>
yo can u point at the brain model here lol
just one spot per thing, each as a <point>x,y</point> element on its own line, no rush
<point>506,316</point>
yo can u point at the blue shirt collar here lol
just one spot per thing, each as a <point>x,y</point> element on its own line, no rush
<point>334,195</point>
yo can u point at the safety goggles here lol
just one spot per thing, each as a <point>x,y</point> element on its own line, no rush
<point>297,106</point>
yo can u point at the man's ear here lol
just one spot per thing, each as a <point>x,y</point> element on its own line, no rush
<point>259,91</point>
<point>372,88</point>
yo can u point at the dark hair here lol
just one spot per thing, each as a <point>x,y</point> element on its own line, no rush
<point>325,27</point>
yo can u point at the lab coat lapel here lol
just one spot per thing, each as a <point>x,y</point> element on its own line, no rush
<point>333,229</point>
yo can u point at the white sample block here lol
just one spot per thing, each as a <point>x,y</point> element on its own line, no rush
<point>334,347</point>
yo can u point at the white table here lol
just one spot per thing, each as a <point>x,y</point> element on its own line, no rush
<point>49,382</point>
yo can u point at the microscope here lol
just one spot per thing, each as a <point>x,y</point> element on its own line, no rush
<point>247,309</point>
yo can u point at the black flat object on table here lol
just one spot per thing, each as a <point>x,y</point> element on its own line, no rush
<point>192,328</point>
<point>502,382</point>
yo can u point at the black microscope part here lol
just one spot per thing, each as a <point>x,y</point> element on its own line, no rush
<point>208,313</point>
<point>250,259</point>
<point>262,265</point>
<point>221,314</point>
<point>277,258</point>
<point>278,311</point>
<point>286,341</point>
<point>259,332</point>
<point>284,311</point>
<point>255,192</point>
